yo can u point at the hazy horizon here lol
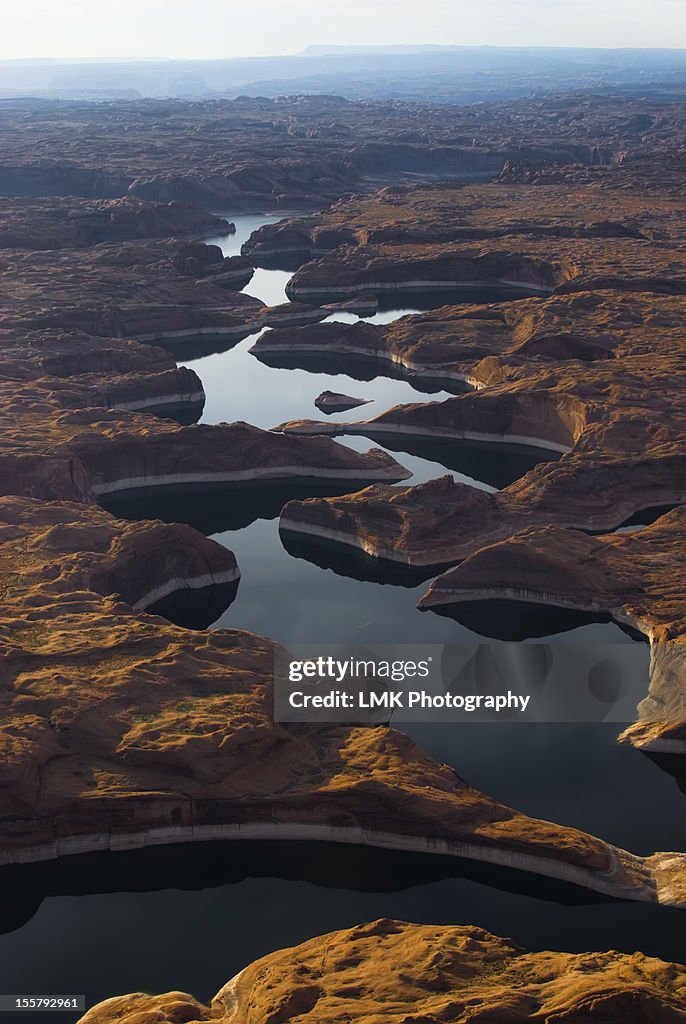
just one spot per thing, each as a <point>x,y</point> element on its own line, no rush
<point>175,30</point>
<point>331,49</point>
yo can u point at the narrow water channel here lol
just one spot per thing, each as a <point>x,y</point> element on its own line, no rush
<point>285,594</point>
<point>294,599</point>
<point>189,918</point>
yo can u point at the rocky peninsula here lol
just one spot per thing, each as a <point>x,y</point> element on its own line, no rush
<point>124,726</point>
<point>591,379</point>
<point>397,972</point>
<point>172,739</point>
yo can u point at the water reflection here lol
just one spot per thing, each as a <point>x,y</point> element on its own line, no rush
<point>191,918</point>
<point>125,940</point>
<point>265,392</point>
<point>296,600</point>
<point>360,368</point>
<point>196,609</point>
<point>354,563</point>
<point>491,464</point>
<point>521,620</point>
<point>224,507</point>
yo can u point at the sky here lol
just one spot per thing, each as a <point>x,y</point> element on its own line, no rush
<point>241,28</point>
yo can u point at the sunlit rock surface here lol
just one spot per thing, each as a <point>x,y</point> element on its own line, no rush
<point>441,213</point>
<point>121,730</point>
<point>635,577</point>
<point>399,973</point>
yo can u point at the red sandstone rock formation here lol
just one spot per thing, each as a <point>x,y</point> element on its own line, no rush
<point>438,214</point>
<point>400,973</point>
<point>60,223</point>
<point>254,153</point>
<point>600,414</point>
<point>635,577</point>
<point>119,729</point>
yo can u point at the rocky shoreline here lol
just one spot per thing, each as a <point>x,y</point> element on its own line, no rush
<point>596,375</point>
<point>655,879</point>
<point>162,745</point>
<point>122,729</point>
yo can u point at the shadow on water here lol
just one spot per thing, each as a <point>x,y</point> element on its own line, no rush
<point>357,367</point>
<point>671,764</point>
<point>219,509</point>
<point>353,563</point>
<point>189,918</point>
<point>287,261</point>
<point>198,346</point>
<point>196,609</point>
<point>497,465</point>
<point>185,413</point>
<point>644,517</point>
<point>521,620</point>
<point>195,867</point>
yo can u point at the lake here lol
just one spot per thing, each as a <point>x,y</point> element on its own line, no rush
<point>189,918</point>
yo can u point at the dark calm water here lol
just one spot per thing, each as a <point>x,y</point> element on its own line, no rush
<point>190,918</point>
<point>290,590</point>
